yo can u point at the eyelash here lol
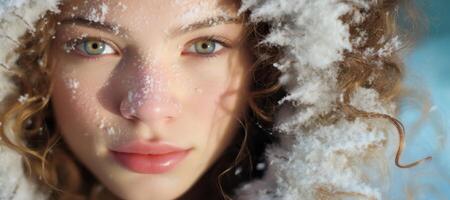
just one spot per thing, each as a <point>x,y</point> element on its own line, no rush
<point>221,41</point>
<point>72,45</point>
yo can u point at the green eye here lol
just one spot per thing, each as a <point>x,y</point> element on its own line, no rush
<point>94,47</point>
<point>205,47</point>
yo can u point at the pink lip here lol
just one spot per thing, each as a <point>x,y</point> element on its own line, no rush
<point>149,157</point>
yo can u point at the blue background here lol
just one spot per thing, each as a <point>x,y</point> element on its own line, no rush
<point>428,71</point>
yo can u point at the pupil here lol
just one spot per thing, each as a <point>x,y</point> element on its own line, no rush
<point>95,46</point>
<point>205,45</point>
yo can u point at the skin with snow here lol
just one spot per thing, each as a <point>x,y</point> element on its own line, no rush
<point>146,85</point>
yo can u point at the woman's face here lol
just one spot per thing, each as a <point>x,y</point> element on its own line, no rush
<point>147,93</point>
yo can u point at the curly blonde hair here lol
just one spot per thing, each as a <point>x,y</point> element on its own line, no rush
<point>48,160</point>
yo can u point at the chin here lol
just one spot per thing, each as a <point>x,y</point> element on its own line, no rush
<point>167,189</point>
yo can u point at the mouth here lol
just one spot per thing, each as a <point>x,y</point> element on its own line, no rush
<point>149,157</point>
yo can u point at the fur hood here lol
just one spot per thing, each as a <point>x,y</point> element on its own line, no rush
<point>309,157</point>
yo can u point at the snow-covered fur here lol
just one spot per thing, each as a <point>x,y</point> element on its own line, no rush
<point>328,158</point>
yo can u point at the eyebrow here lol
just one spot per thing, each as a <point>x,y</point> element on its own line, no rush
<point>104,26</point>
<point>205,23</point>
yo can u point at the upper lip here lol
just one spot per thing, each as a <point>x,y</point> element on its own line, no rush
<point>146,147</point>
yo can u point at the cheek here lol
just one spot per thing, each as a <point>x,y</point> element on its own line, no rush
<point>75,84</point>
<point>214,110</point>
<point>79,115</point>
<point>71,113</point>
<point>66,98</point>
<point>216,90</point>
<point>215,100</point>
<point>73,102</point>
<point>213,121</point>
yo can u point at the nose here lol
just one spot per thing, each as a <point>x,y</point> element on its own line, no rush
<point>149,99</point>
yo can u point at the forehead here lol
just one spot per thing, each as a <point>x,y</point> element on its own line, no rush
<point>141,12</point>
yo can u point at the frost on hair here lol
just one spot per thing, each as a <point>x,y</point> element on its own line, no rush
<point>317,159</point>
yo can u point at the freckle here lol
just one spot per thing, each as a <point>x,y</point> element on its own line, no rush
<point>198,90</point>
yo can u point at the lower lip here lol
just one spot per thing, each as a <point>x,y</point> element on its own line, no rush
<point>150,164</point>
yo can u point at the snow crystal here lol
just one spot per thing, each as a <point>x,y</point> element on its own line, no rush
<point>358,17</point>
<point>368,52</point>
<point>72,84</point>
<point>110,130</point>
<point>23,98</point>
<point>361,39</point>
<point>390,47</point>
<point>386,50</point>
<point>28,122</point>
<point>433,108</point>
<point>102,123</point>
<point>122,6</point>
<point>238,171</point>
<point>368,100</point>
<point>69,47</point>
<point>260,166</point>
<point>98,14</point>
<point>197,12</point>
